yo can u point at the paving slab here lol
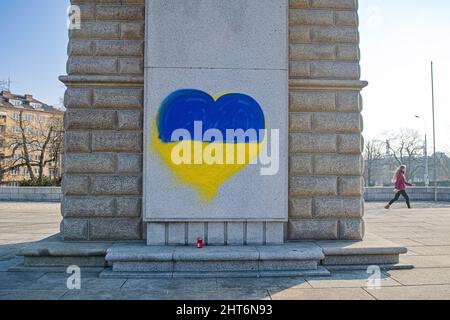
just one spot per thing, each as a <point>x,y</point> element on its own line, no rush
<point>262,283</point>
<point>441,261</point>
<point>356,279</point>
<point>31,294</point>
<point>416,277</point>
<point>172,284</point>
<point>321,294</point>
<point>436,292</point>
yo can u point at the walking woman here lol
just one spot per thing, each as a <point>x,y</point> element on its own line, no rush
<point>400,187</point>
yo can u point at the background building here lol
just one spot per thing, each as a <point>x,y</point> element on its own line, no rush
<point>30,140</point>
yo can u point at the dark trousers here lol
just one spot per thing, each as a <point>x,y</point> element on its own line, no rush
<point>397,196</point>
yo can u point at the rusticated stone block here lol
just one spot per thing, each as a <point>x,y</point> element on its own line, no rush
<point>75,229</point>
<point>85,207</point>
<point>90,119</point>
<point>120,12</point>
<point>335,70</point>
<point>353,229</point>
<point>338,208</point>
<point>117,141</point>
<point>129,163</point>
<point>334,4</point>
<point>329,122</point>
<point>300,122</point>
<point>129,120</point>
<point>311,17</point>
<point>300,208</point>
<point>131,65</point>
<point>334,34</point>
<point>80,48</point>
<point>119,48</point>
<point>78,98</point>
<point>350,143</point>
<point>349,101</point>
<point>309,101</point>
<point>301,165</point>
<point>347,18</point>
<point>340,165</point>
<point>92,65</point>
<point>312,52</point>
<point>89,162</point>
<point>129,207</point>
<point>75,185</point>
<point>313,229</point>
<point>313,186</point>
<point>299,34</point>
<point>351,186</point>
<point>348,52</point>
<point>116,185</point>
<point>76,141</point>
<point>132,31</point>
<point>299,69</point>
<point>298,4</point>
<point>115,229</point>
<point>118,98</point>
<point>312,143</point>
<point>96,30</point>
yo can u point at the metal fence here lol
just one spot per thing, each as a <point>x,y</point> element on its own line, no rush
<point>31,194</point>
<point>416,194</point>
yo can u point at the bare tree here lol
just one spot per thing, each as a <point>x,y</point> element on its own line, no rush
<point>373,155</point>
<point>406,148</point>
<point>33,144</point>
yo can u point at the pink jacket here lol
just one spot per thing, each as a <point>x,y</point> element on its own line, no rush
<point>401,183</point>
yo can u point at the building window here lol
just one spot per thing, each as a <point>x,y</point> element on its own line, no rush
<point>16,116</point>
<point>2,128</point>
<point>15,172</point>
<point>41,119</point>
<point>15,103</point>
<point>16,130</point>
<point>29,117</point>
<point>36,105</point>
<point>30,130</point>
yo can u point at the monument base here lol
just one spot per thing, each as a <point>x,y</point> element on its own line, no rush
<point>137,260</point>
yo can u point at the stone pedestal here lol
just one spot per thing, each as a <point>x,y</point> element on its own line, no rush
<point>235,52</point>
<point>105,142</point>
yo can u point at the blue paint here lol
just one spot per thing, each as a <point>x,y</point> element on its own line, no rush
<point>231,111</point>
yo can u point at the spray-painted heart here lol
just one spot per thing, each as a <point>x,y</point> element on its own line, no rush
<point>205,141</point>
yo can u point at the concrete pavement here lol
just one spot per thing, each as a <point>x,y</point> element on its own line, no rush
<point>425,230</point>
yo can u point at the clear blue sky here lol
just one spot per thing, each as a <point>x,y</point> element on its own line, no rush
<point>398,40</point>
<point>34,46</point>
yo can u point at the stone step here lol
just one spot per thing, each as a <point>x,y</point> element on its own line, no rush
<point>132,260</point>
<point>374,250</point>
<point>56,254</point>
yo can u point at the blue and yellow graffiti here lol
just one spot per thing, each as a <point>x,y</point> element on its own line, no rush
<point>208,160</point>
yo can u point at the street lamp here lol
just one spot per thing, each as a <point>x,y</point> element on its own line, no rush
<point>434,135</point>
<point>425,154</point>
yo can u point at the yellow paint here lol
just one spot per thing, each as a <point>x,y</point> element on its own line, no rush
<point>206,178</point>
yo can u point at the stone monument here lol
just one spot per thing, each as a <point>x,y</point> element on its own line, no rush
<point>289,70</point>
